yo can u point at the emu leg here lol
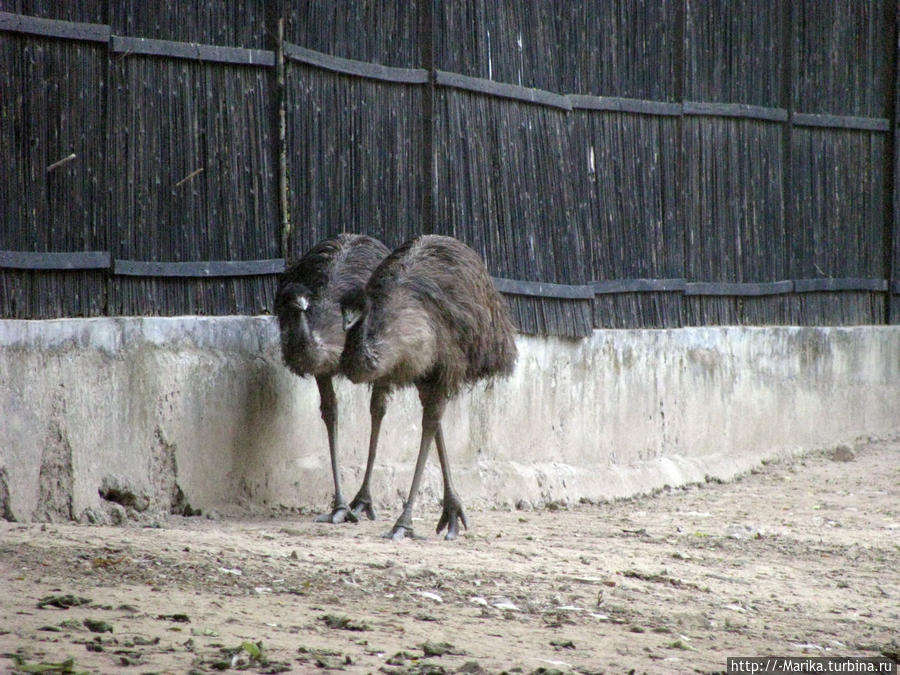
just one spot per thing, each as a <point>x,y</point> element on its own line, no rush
<point>433,404</point>
<point>328,405</point>
<point>362,502</point>
<point>452,513</point>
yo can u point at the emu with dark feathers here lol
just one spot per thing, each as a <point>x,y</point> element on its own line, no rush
<point>312,340</point>
<point>429,317</point>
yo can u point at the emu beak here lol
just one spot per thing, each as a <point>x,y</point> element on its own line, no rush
<point>350,317</point>
<point>300,302</point>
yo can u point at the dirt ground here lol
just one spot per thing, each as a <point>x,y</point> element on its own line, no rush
<point>800,557</point>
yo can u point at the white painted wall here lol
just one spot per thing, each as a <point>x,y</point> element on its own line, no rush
<point>622,412</point>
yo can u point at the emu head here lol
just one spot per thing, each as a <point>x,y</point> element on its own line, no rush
<point>354,306</point>
<point>360,359</point>
<point>292,297</point>
<point>311,339</point>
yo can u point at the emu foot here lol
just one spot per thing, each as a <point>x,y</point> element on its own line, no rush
<point>402,529</point>
<point>451,516</point>
<point>362,505</point>
<point>339,514</point>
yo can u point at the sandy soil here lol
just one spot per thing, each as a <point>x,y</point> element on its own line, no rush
<point>800,557</point>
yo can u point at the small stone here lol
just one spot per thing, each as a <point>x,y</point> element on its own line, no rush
<point>97,626</point>
<point>842,453</point>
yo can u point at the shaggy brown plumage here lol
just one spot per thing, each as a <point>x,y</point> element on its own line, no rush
<point>312,340</point>
<point>429,316</point>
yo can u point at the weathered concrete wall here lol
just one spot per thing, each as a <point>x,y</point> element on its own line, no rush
<point>200,411</point>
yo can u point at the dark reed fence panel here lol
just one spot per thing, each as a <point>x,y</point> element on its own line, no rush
<point>733,51</point>
<point>626,48</point>
<point>376,31</point>
<point>237,23</point>
<point>844,50</point>
<point>52,158</point>
<point>506,41</point>
<point>619,48</point>
<point>720,142</point>
<point>190,180</point>
<point>354,155</point>
<point>892,232</point>
<point>733,196</point>
<point>626,167</point>
<point>503,187</point>
<point>86,11</point>
<point>733,192</point>
<point>843,65</point>
<point>838,222</point>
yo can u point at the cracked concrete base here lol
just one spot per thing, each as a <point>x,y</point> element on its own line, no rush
<point>194,414</point>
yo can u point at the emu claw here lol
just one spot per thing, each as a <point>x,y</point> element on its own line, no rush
<point>402,529</point>
<point>399,532</point>
<point>451,516</point>
<point>362,505</point>
<point>339,514</point>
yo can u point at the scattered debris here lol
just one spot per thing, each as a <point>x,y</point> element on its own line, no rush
<point>680,644</point>
<point>342,622</point>
<point>439,649</point>
<point>97,626</point>
<point>62,601</point>
<point>107,562</point>
<point>66,667</point>
<point>562,644</point>
<point>661,578</point>
<point>177,618</point>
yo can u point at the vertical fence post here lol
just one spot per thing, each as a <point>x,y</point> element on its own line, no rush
<point>680,182</point>
<point>787,134</point>
<point>283,202</point>
<point>892,171</point>
<point>275,13</point>
<point>428,178</point>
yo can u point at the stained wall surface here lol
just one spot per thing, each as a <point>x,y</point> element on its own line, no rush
<point>201,412</point>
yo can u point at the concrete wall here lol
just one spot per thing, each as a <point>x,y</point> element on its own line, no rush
<point>201,411</point>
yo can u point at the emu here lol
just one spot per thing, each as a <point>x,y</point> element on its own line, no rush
<point>429,316</point>
<point>312,339</point>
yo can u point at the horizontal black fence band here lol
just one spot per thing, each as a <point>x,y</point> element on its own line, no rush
<point>735,110</point>
<point>207,268</point>
<point>70,30</point>
<point>502,90</point>
<point>841,122</point>
<point>26,260</point>
<point>540,289</point>
<point>191,50</point>
<point>739,289</point>
<point>365,69</point>
<point>611,286</point>
<point>816,285</point>
<point>101,260</point>
<point>629,105</point>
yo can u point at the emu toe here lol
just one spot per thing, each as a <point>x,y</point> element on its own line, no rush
<point>402,529</point>
<point>398,532</point>
<point>362,505</point>
<point>451,516</point>
<point>339,514</point>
